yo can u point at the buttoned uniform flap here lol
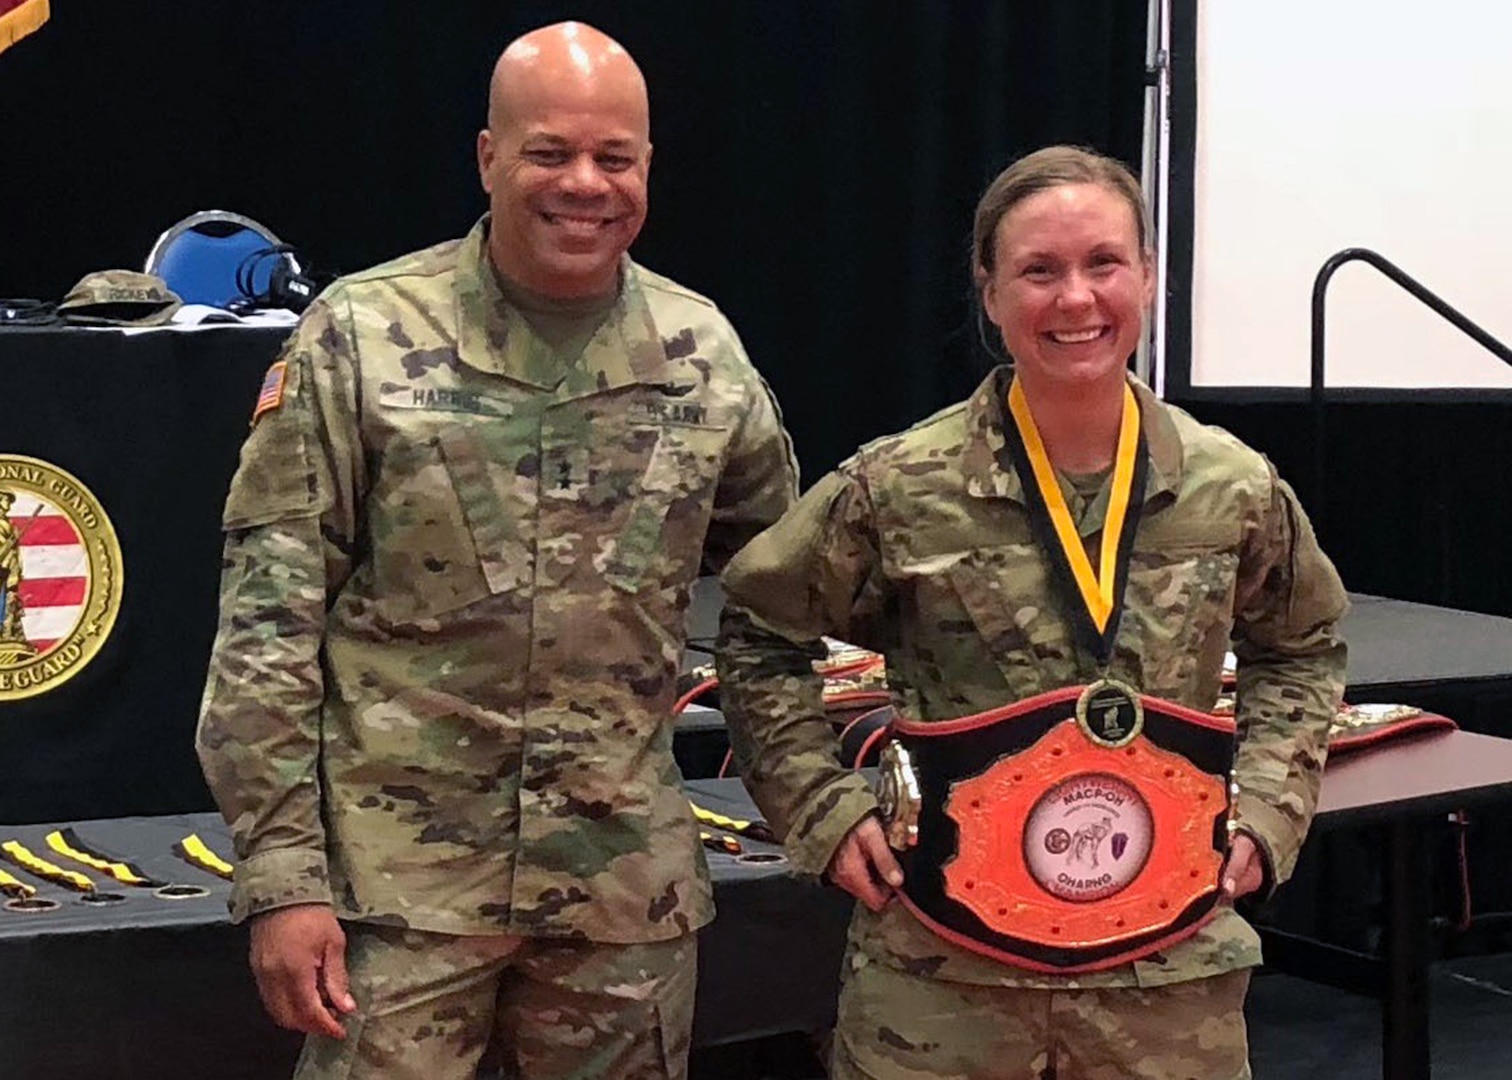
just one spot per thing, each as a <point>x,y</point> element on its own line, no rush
<point>685,457</point>
<point>431,514</point>
<point>979,613</point>
<point>999,587</point>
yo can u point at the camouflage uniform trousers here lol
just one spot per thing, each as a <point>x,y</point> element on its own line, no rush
<point>897,1026</point>
<point>429,1004</point>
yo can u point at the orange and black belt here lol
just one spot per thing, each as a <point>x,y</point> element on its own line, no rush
<point>1073,831</point>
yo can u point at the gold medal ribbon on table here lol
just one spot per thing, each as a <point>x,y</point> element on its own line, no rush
<point>1092,596</point>
<point>196,852</point>
<point>37,866</point>
<point>756,830</point>
<point>70,845</point>
<point>19,896</point>
<point>720,842</point>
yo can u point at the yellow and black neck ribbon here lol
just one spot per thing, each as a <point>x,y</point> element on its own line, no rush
<point>756,830</point>
<point>36,865</point>
<point>14,888</point>
<point>68,844</point>
<point>196,852</point>
<point>1091,596</point>
<point>23,898</point>
<point>720,842</point>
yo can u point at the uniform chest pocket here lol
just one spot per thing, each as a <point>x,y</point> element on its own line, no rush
<point>439,532</point>
<point>661,540</point>
<point>981,610</point>
<point>1178,610</point>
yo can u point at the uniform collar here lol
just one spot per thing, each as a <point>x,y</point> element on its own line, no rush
<point>493,336</point>
<point>988,466</point>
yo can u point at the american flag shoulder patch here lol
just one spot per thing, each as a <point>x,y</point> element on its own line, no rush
<point>270,396</point>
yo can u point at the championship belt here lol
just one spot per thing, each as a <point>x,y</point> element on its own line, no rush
<point>864,737</point>
<point>1070,832</point>
<point>1356,727</point>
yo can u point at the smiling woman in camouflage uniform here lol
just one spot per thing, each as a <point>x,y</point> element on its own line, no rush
<point>480,482</point>
<point>953,548</point>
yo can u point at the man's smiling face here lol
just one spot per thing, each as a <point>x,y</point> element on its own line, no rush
<point>565,167</point>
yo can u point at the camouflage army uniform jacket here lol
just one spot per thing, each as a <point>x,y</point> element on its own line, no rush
<point>456,569</point>
<point>919,547</point>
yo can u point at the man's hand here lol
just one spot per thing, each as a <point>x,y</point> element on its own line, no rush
<point>864,866</point>
<point>1244,869</point>
<point>299,961</point>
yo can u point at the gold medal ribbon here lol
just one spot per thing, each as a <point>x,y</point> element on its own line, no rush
<point>1093,595</point>
<point>720,842</point>
<point>67,843</point>
<point>13,887</point>
<point>756,830</point>
<point>33,863</point>
<point>194,851</point>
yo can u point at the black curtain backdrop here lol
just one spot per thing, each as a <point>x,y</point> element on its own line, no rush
<point>1418,503</point>
<point>816,163</point>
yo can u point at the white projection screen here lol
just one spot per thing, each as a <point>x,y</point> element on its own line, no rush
<point>1327,124</point>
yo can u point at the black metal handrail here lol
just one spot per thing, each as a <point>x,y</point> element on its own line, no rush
<point>1318,508</point>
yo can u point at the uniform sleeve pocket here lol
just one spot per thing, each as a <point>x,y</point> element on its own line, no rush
<point>275,480</point>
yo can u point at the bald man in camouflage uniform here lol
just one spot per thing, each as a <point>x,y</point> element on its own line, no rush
<point>480,482</point>
<point>921,547</point>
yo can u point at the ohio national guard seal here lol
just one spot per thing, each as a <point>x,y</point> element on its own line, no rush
<point>60,576</point>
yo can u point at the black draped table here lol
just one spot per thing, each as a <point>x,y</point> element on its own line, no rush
<point>151,423</point>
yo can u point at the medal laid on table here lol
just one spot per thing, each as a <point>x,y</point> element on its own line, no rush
<point>196,852</point>
<point>1083,827</point>
<point>37,866</point>
<point>19,896</point>
<point>70,845</point>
